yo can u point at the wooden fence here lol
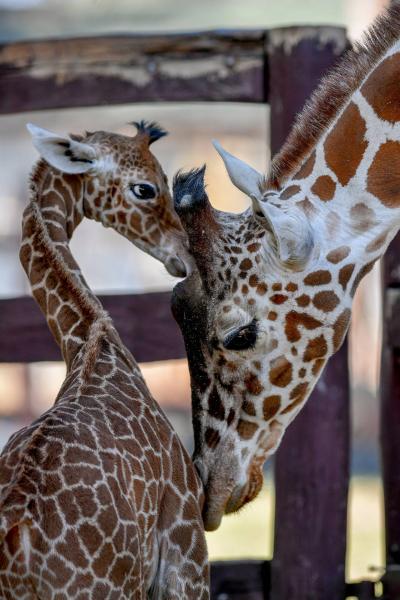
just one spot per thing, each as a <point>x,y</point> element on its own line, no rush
<point>279,67</point>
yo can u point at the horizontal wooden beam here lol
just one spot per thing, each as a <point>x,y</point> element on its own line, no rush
<point>144,322</point>
<point>117,69</point>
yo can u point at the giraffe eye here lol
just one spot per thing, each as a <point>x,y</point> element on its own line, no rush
<point>242,338</point>
<point>143,191</point>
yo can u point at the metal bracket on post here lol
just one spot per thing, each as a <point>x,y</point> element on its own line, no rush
<point>362,590</point>
<point>391,583</point>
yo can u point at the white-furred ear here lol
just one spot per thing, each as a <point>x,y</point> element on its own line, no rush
<point>290,228</point>
<point>243,176</point>
<point>292,232</point>
<point>63,153</point>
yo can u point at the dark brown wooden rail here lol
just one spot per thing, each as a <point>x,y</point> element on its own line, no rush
<point>144,322</point>
<point>94,71</point>
<point>224,66</point>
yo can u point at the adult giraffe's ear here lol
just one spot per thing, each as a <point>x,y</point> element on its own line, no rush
<point>291,231</point>
<point>63,153</point>
<point>290,228</point>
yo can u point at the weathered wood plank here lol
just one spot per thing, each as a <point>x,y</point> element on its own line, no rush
<point>144,322</point>
<point>59,73</point>
<point>298,56</point>
<point>312,464</point>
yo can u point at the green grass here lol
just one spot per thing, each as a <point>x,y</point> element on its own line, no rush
<point>249,534</point>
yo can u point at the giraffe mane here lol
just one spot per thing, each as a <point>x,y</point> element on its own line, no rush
<point>331,95</point>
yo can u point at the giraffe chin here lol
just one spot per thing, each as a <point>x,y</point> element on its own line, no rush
<point>241,495</point>
<point>213,511</point>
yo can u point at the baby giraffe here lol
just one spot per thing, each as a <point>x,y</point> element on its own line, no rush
<point>98,498</point>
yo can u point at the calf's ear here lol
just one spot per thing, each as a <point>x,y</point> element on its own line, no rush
<point>63,153</point>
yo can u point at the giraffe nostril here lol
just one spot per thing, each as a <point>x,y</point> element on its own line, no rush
<point>175,267</point>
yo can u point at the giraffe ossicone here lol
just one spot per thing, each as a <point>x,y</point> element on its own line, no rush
<point>271,298</point>
<point>98,497</point>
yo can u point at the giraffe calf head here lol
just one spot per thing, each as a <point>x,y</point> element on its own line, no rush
<point>122,185</point>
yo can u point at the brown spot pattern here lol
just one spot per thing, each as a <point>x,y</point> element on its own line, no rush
<point>377,242</point>
<point>362,217</point>
<point>324,187</point>
<point>249,408</point>
<point>246,429</point>
<point>360,275</point>
<point>246,264</point>
<point>382,90</point>
<point>212,437</point>
<point>383,179</point>
<point>326,301</point>
<point>306,168</point>
<point>253,384</point>
<point>297,395</point>
<point>318,278</point>
<point>261,289</point>
<point>303,300</point>
<point>278,298</point>
<point>316,348</point>
<point>294,320</point>
<point>253,280</point>
<point>338,254</point>
<point>271,406</point>
<point>306,206</point>
<point>340,327</point>
<point>215,407</point>
<point>289,192</point>
<point>346,144</point>
<point>281,372</point>
<point>344,275</point>
<point>317,366</point>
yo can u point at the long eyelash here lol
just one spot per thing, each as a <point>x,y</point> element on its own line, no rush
<point>243,338</point>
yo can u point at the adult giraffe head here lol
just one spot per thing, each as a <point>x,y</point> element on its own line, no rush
<point>124,186</point>
<point>271,299</point>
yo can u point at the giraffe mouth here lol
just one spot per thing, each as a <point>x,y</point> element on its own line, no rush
<point>217,505</point>
<point>215,508</point>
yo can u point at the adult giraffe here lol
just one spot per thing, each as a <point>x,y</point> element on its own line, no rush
<point>271,300</point>
<point>98,498</point>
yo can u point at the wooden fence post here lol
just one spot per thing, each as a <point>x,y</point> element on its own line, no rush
<point>312,465</point>
<point>390,416</point>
